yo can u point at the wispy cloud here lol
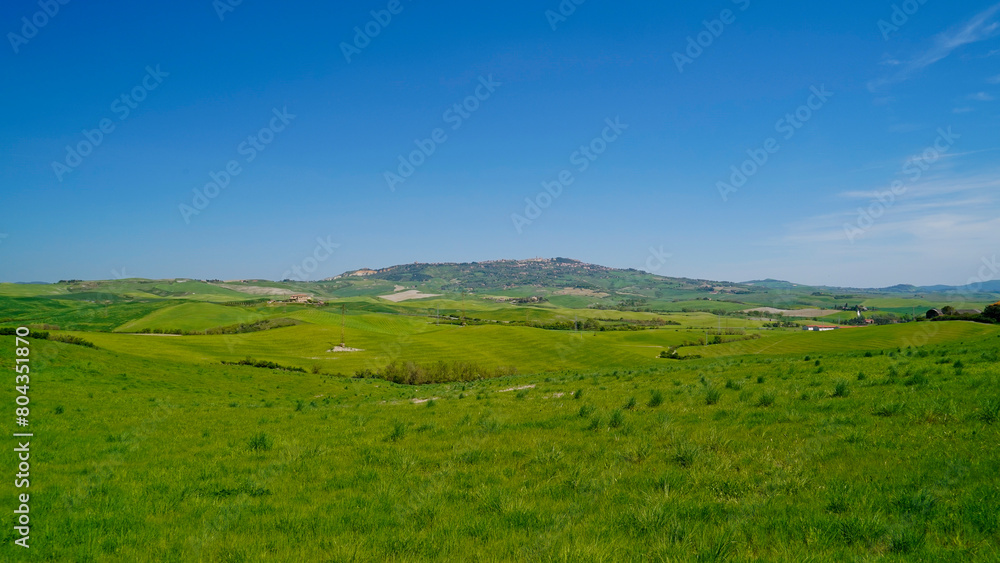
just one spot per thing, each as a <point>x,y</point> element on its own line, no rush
<point>944,207</point>
<point>994,79</point>
<point>981,97</point>
<point>981,27</point>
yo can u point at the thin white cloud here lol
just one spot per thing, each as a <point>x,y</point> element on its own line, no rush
<point>981,97</point>
<point>993,79</point>
<point>981,27</point>
<point>963,109</point>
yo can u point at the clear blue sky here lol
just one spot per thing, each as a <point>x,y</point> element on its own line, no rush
<point>893,91</point>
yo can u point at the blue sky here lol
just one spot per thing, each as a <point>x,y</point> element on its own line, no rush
<point>879,130</point>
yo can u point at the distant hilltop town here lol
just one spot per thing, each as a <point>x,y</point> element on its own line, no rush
<point>536,262</point>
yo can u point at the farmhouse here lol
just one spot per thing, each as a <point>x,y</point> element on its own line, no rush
<point>299,298</point>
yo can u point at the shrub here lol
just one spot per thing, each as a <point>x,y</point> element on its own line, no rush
<point>578,395</point>
<point>630,404</point>
<point>841,389</point>
<point>760,379</point>
<point>60,409</point>
<point>585,411</point>
<point>734,385</point>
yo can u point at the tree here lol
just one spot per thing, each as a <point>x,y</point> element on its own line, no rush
<point>948,310</point>
<point>993,312</point>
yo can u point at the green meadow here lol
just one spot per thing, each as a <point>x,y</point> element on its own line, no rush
<point>776,444</point>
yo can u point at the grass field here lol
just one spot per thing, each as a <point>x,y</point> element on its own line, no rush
<point>753,458</point>
<point>874,443</point>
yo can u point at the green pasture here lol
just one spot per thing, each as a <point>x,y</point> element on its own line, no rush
<point>756,458</point>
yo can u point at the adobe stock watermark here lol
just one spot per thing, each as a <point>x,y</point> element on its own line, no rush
<point>582,158</point>
<point>657,259</point>
<point>249,149</point>
<point>787,127</point>
<point>704,39</point>
<point>224,7</point>
<point>30,27</point>
<point>901,14</point>
<point>456,116</point>
<point>989,271</point>
<point>364,35</point>
<point>563,11</point>
<point>122,107</point>
<point>323,251</point>
<point>914,169</point>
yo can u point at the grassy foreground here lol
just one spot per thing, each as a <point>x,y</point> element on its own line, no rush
<point>846,456</point>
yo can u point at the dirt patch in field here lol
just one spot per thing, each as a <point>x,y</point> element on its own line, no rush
<point>795,312</point>
<point>580,292</point>
<point>256,289</point>
<point>419,401</point>
<point>344,349</point>
<point>516,388</point>
<point>407,295</point>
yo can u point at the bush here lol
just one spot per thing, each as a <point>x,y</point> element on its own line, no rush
<point>734,385</point>
<point>841,389</point>
<point>578,395</point>
<point>630,404</point>
<point>248,361</point>
<point>585,411</point>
